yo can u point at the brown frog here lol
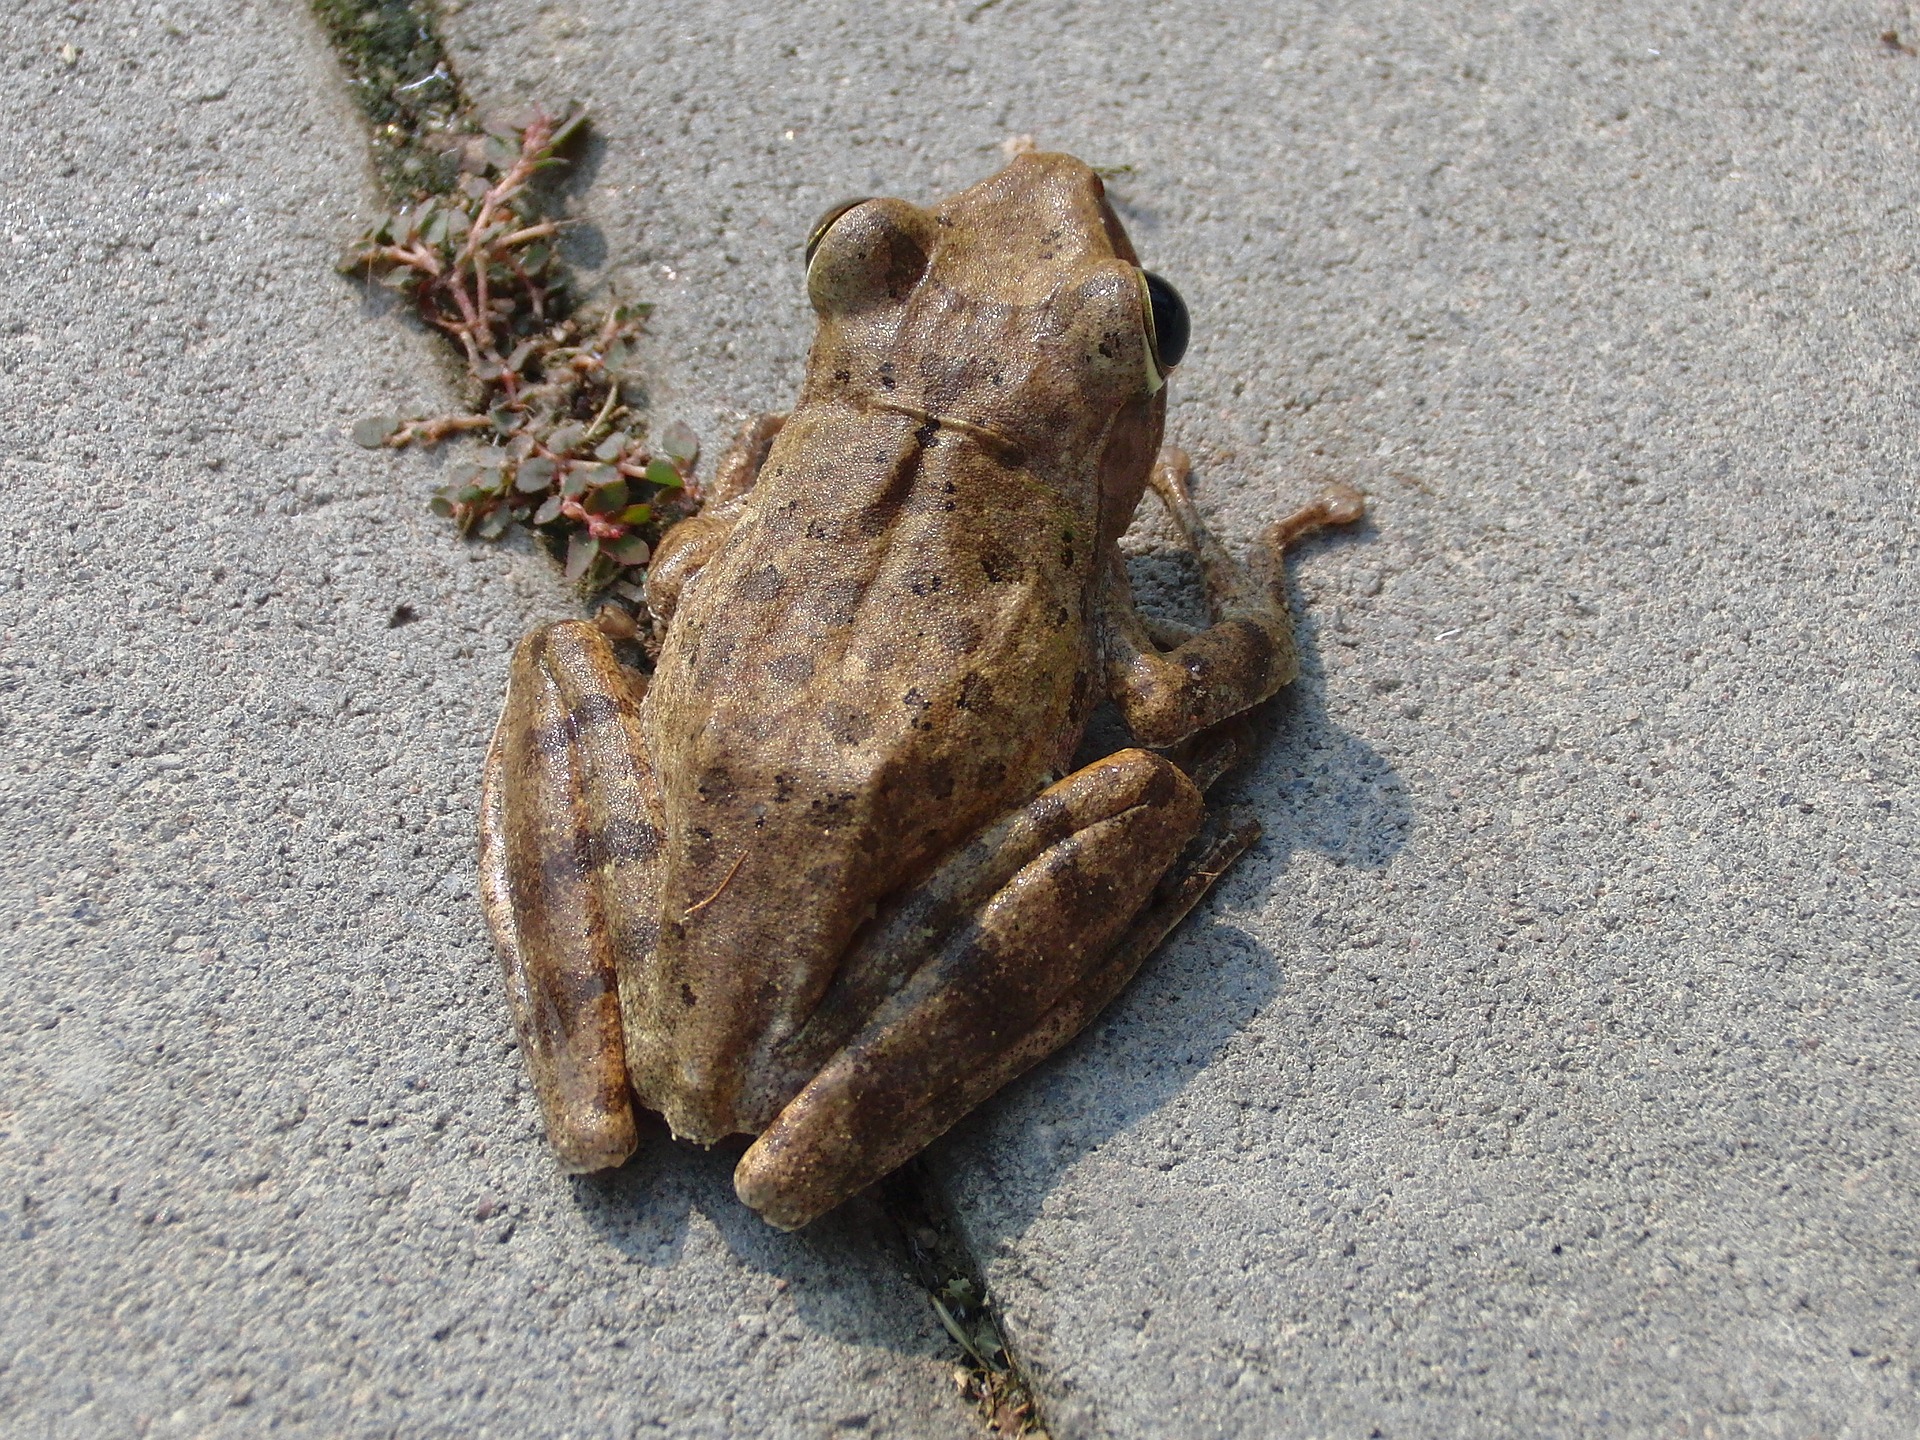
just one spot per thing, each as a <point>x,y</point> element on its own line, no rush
<point>818,879</point>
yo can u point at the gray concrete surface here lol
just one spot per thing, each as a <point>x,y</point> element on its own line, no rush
<point>1550,1068</point>
<point>267,1161</point>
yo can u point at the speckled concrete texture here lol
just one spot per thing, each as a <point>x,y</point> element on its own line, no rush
<point>268,1162</point>
<point>1549,1069</point>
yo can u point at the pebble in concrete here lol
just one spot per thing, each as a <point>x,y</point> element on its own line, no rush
<point>267,1158</point>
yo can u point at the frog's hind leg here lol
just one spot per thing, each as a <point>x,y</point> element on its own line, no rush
<point>1171,681</point>
<point>995,962</point>
<point>567,878</point>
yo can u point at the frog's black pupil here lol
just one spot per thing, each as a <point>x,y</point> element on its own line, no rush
<point>1171,328</point>
<point>825,223</point>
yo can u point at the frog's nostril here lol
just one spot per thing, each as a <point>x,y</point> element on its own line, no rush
<point>1171,326</point>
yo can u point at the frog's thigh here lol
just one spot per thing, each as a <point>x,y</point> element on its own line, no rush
<point>942,1042</point>
<point>567,878</point>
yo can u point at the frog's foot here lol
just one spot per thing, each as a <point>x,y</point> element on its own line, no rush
<point>1171,682</point>
<point>566,875</point>
<point>997,960</point>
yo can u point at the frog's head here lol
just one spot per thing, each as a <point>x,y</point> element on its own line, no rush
<point>1017,308</point>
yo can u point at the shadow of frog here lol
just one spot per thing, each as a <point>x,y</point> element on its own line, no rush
<point>671,1210</point>
<point>1313,786</point>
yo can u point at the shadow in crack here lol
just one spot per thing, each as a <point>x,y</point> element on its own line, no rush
<point>1313,786</point>
<point>847,1274</point>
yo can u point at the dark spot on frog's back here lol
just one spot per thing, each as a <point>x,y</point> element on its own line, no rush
<point>761,584</point>
<point>623,840</point>
<point>846,724</point>
<point>937,778</point>
<point>1000,566</point>
<point>716,785</point>
<point>790,669</point>
<point>839,602</point>
<point>594,709</point>
<point>976,693</point>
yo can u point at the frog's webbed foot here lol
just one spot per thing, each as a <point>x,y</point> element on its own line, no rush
<point>1171,681</point>
<point>567,878</point>
<point>995,961</point>
<point>688,546</point>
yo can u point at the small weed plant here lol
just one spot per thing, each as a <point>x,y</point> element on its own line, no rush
<point>562,451</point>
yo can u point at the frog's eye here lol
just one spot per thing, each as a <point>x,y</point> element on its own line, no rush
<point>825,223</point>
<point>1170,328</point>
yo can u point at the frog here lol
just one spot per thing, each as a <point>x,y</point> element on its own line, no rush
<point>828,876</point>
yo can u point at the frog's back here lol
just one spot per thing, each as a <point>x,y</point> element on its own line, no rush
<point>890,650</point>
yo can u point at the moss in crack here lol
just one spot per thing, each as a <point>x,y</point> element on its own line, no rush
<point>397,72</point>
<point>985,1371</point>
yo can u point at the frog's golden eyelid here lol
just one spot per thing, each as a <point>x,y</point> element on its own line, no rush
<point>825,222</point>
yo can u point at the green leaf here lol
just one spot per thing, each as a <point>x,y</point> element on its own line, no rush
<point>549,511</point>
<point>440,505</point>
<point>573,484</point>
<point>636,515</point>
<point>566,437</point>
<point>534,475</point>
<point>495,525</point>
<point>953,1329</point>
<point>611,448</point>
<point>630,550</point>
<point>609,497</point>
<point>681,443</point>
<point>663,474</point>
<point>582,551</point>
<point>467,494</point>
<point>567,129</point>
<point>372,431</point>
<point>435,232</point>
<point>594,476</point>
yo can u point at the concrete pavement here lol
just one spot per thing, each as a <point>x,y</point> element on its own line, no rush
<point>1549,1067</point>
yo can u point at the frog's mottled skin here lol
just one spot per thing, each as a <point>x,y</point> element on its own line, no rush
<point>816,881</point>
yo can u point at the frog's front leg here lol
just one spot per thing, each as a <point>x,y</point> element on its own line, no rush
<point>1171,682</point>
<point>568,878</point>
<point>688,546</point>
<point>996,960</point>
